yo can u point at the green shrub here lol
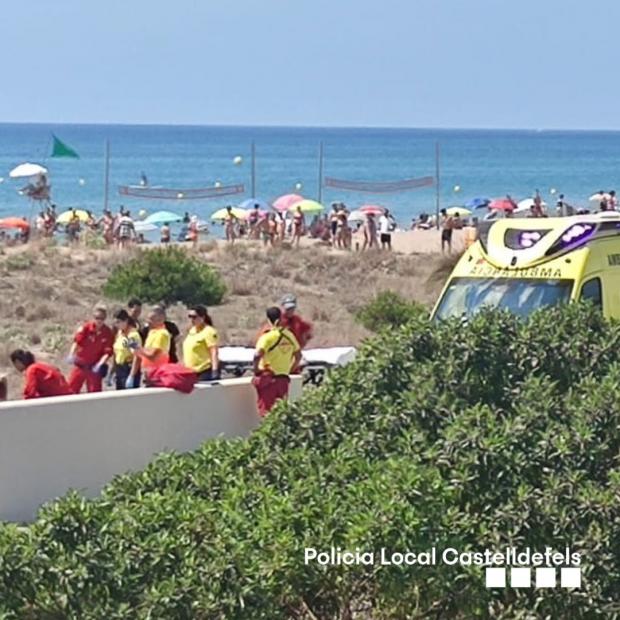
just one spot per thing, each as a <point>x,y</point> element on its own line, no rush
<point>166,275</point>
<point>495,434</point>
<point>389,310</point>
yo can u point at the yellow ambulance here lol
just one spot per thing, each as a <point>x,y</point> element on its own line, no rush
<point>522,264</point>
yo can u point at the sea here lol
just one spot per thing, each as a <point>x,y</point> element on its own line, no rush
<point>471,163</point>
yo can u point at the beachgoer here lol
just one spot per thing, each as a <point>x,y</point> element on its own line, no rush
<point>538,209</point>
<point>272,229</point>
<point>277,353</point>
<point>230,221</point>
<point>200,347</point>
<point>126,231</point>
<point>299,225</point>
<point>41,380</point>
<point>90,352</point>
<point>385,230</point>
<point>333,222</point>
<point>370,232</point>
<point>143,180</point>
<point>253,221</point>
<point>281,227</point>
<point>192,231</point>
<point>612,202</point>
<point>125,363</point>
<point>40,224</point>
<point>447,226</point>
<point>73,227</point>
<point>165,233</point>
<point>186,218</point>
<point>107,223</point>
<point>157,343</point>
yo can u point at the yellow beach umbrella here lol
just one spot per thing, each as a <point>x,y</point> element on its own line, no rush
<point>67,216</point>
<point>222,214</point>
<point>307,206</point>
<point>462,211</point>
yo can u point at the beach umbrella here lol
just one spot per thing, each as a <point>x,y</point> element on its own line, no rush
<point>66,216</point>
<point>356,216</point>
<point>221,214</point>
<point>284,202</point>
<point>251,202</point>
<point>161,217</point>
<point>501,204</point>
<point>307,206</point>
<point>27,170</point>
<point>527,204</point>
<point>372,209</point>
<point>477,203</point>
<point>143,227</point>
<point>461,211</point>
<point>599,196</point>
<point>14,222</point>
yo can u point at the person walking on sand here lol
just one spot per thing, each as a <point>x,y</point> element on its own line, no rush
<point>230,222</point>
<point>126,232</point>
<point>201,345</point>
<point>253,222</point>
<point>333,223</point>
<point>90,352</point>
<point>447,226</point>
<point>41,380</point>
<point>370,232</point>
<point>281,228</point>
<point>299,226</point>
<point>385,230</point>
<point>277,353</point>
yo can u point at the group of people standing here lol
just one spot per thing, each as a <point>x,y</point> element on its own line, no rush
<point>126,355</point>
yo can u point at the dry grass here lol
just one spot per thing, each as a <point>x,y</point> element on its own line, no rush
<point>49,291</point>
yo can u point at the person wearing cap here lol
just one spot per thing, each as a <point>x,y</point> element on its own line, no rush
<point>91,349</point>
<point>302,330</point>
<point>277,353</point>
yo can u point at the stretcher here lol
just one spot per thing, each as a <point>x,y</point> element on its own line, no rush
<point>237,361</point>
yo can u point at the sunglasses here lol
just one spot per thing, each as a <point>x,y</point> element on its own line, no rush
<point>192,316</point>
<point>99,318</point>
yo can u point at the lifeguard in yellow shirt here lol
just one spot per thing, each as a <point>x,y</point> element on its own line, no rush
<point>200,347</point>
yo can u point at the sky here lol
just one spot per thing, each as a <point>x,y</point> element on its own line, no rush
<point>537,64</point>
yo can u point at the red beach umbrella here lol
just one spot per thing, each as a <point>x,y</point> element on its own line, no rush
<point>372,209</point>
<point>502,204</point>
<point>14,222</point>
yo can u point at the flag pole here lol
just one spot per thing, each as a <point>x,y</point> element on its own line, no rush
<point>437,178</point>
<point>321,172</point>
<point>253,169</point>
<point>106,174</point>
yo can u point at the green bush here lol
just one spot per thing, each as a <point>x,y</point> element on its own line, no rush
<point>166,275</point>
<point>495,434</point>
<point>389,310</point>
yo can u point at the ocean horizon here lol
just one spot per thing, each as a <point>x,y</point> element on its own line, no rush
<point>479,162</point>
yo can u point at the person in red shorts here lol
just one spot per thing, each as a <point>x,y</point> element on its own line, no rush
<point>277,353</point>
<point>40,380</point>
<point>91,349</point>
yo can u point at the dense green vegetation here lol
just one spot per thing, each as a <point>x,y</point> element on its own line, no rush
<point>166,275</point>
<point>388,309</point>
<point>500,433</point>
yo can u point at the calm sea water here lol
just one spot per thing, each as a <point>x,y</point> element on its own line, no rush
<point>481,162</point>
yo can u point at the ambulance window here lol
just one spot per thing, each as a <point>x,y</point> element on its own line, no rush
<point>592,290</point>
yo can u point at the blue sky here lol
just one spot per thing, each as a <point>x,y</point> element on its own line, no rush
<point>411,63</point>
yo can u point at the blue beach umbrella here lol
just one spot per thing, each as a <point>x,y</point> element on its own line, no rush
<point>478,203</point>
<point>160,217</point>
<point>251,202</point>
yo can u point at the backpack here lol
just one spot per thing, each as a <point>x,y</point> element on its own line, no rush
<point>175,376</point>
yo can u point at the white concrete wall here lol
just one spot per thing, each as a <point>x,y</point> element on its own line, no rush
<point>51,445</point>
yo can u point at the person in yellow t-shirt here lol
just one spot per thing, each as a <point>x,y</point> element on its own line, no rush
<point>200,347</point>
<point>277,353</point>
<point>157,344</point>
<point>125,363</point>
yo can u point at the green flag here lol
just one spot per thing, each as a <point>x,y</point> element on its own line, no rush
<point>60,149</point>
